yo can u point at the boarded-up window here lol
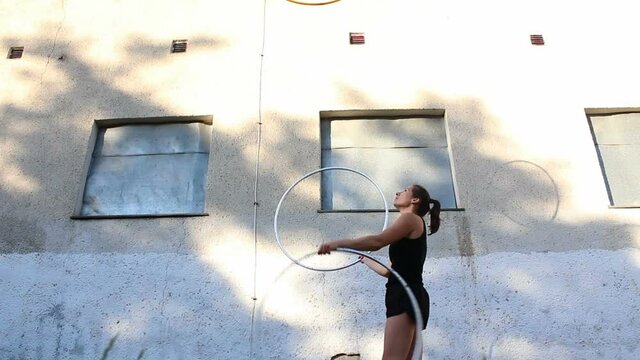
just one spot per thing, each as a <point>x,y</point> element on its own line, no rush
<point>148,170</point>
<point>617,140</point>
<point>396,151</point>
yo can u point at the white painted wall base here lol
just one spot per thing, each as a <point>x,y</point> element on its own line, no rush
<point>577,305</point>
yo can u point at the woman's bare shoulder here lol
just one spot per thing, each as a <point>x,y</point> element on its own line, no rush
<point>416,224</point>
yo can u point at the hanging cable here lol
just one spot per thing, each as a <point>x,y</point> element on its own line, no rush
<point>256,204</point>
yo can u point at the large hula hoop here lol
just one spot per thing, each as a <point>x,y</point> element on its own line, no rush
<point>417,347</point>
<point>414,303</point>
<point>313,3</point>
<point>275,218</point>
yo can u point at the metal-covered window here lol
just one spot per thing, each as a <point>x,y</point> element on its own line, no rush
<point>617,139</point>
<point>147,167</point>
<point>396,148</point>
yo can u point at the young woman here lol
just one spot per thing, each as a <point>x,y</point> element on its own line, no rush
<point>407,240</point>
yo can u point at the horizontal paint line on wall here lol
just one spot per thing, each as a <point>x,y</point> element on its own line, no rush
<point>320,211</point>
<point>143,216</point>
<point>384,147</point>
<point>155,154</point>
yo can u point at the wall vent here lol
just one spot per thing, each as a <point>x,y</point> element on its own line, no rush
<point>179,46</point>
<point>15,52</point>
<point>356,38</point>
<point>536,40</point>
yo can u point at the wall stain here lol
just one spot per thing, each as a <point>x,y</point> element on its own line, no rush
<point>55,314</point>
<point>463,231</point>
<point>78,348</point>
<point>20,236</point>
<point>465,245</point>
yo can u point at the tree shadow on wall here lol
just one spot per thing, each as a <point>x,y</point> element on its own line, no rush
<point>510,205</point>
<point>140,278</point>
<point>49,134</point>
<point>511,210</point>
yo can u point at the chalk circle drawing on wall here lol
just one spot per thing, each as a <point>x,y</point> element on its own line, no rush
<point>528,195</point>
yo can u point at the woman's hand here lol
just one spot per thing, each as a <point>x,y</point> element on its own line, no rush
<point>326,248</point>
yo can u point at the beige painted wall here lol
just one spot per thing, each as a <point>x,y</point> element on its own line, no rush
<point>527,172</point>
<point>515,111</point>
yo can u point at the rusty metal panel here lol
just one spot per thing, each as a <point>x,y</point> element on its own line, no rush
<point>392,169</point>
<point>617,129</point>
<point>148,170</point>
<point>617,138</point>
<point>622,173</point>
<point>395,152</point>
<point>153,139</point>
<point>385,133</point>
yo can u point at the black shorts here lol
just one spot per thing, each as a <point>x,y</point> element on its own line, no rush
<point>397,301</point>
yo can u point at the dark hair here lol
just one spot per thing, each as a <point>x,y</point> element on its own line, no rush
<point>424,207</point>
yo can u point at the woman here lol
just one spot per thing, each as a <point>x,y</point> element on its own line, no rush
<point>407,240</point>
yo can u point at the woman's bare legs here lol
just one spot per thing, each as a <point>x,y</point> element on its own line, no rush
<point>399,332</point>
<point>413,344</point>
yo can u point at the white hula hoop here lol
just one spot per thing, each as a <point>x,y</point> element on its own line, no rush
<point>258,354</point>
<point>417,347</point>
<point>275,219</point>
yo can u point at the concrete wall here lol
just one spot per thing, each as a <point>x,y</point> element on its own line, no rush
<point>536,266</point>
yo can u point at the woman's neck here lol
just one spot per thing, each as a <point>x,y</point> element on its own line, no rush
<point>406,210</point>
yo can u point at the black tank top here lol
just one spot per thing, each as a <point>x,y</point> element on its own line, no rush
<point>407,258</point>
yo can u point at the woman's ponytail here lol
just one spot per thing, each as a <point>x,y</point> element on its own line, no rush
<point>427,205</point>
<point>434,216</point>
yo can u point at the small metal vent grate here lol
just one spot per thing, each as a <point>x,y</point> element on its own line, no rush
<point>356,38</point>
<point>15,52</point>
<point>179,46</point>
<point>536,40</point>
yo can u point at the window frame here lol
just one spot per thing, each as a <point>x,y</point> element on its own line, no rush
<point>108,123</point>
<point>329,115</point>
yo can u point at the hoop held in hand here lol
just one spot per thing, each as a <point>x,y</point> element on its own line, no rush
<point>331,168</point>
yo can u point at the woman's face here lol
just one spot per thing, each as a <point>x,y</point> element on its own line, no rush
<point>403,198</point>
